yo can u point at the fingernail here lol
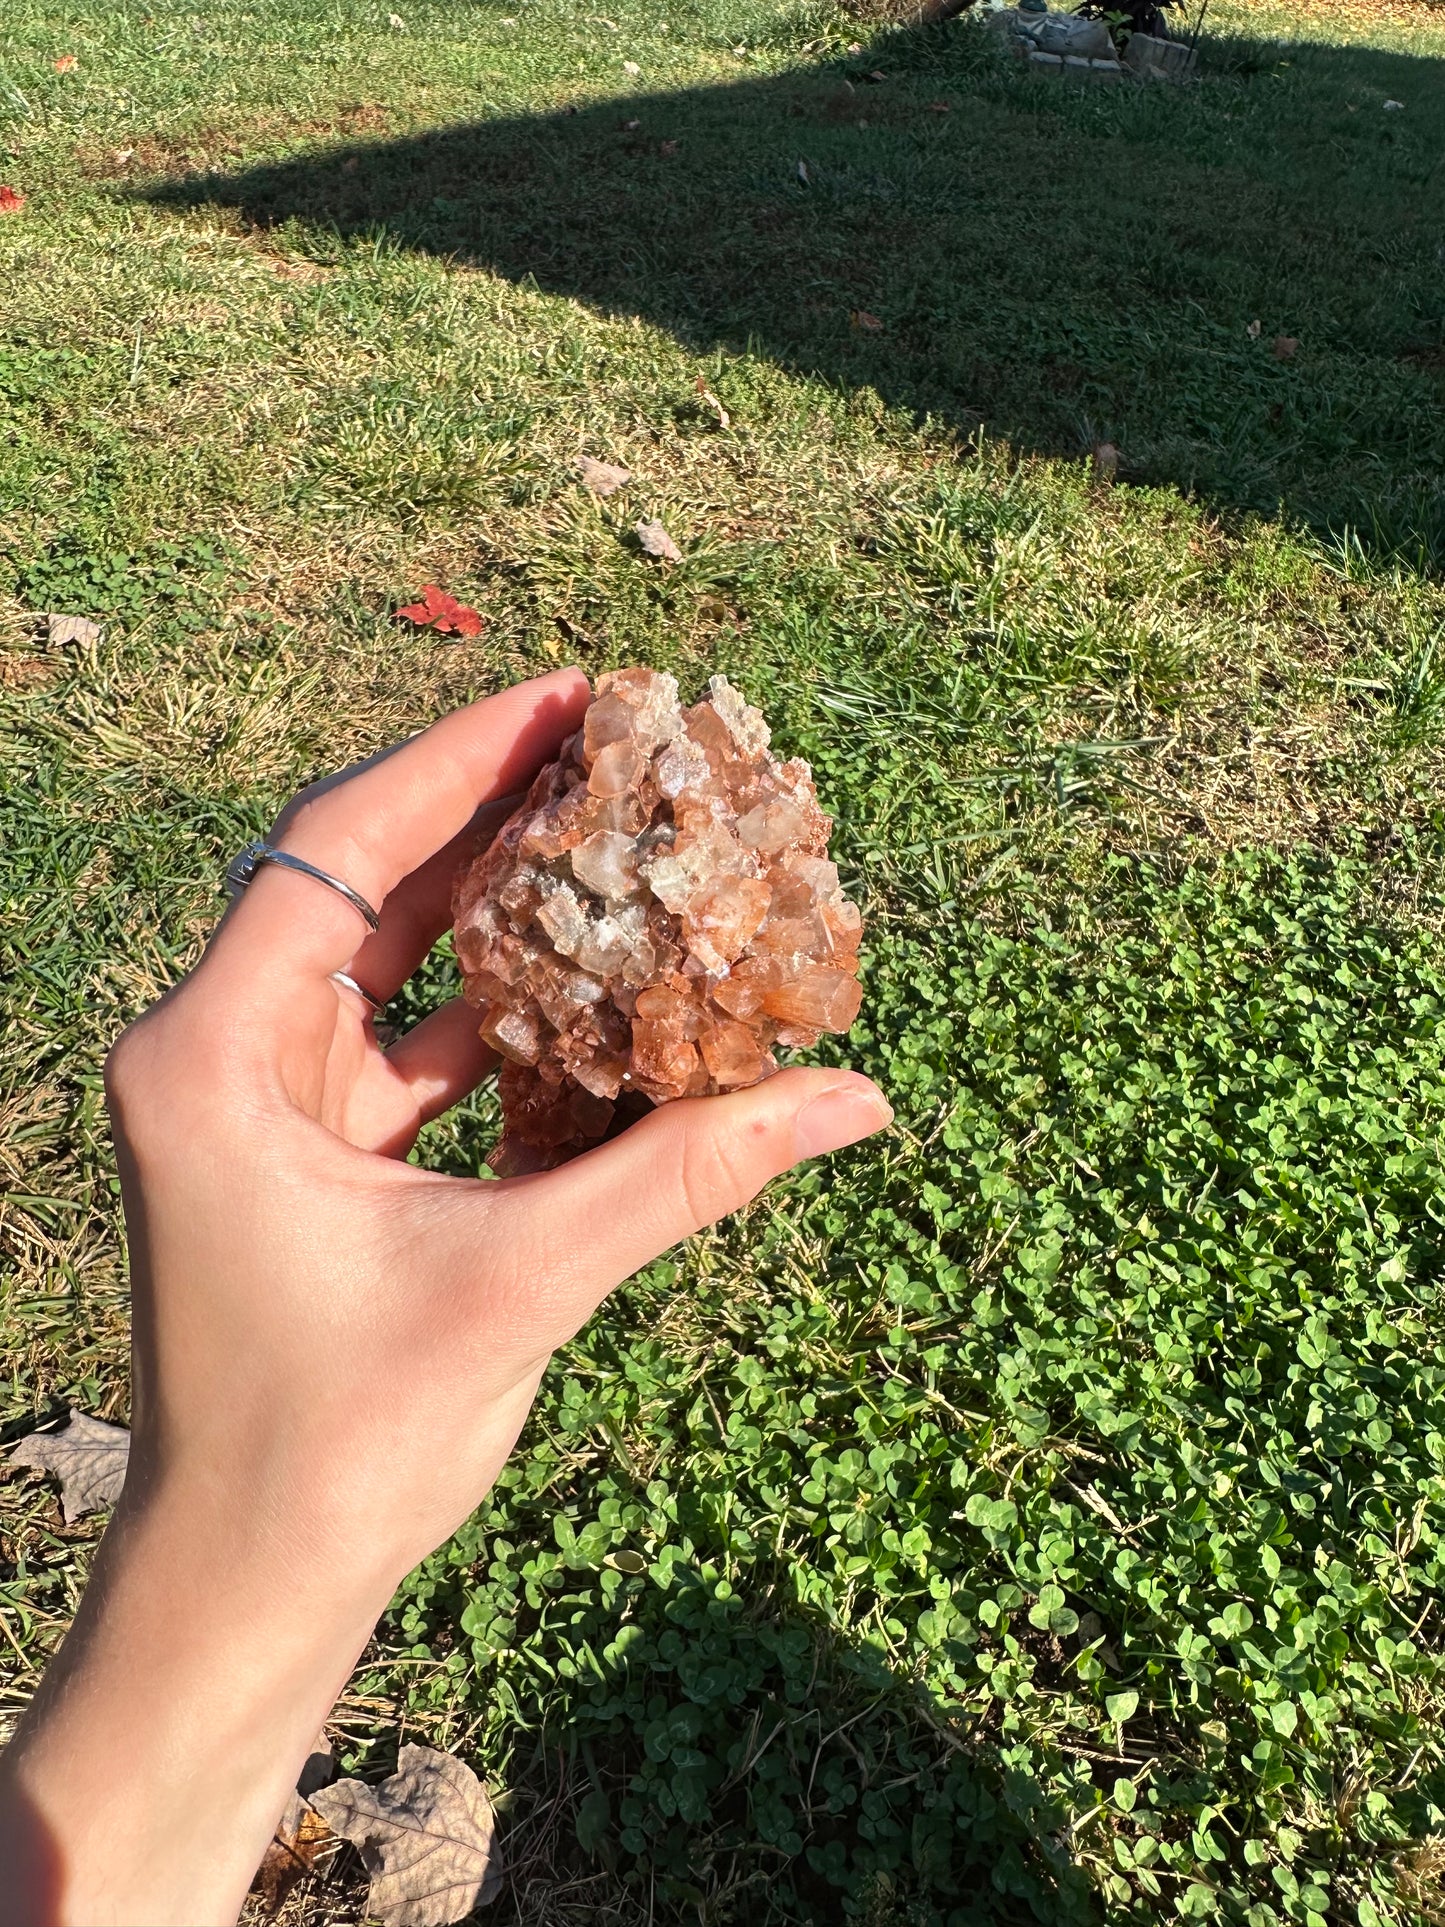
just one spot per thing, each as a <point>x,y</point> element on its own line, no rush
<point>841,1115</point>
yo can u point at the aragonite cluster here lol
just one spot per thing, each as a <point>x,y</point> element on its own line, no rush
<point>656,920</point>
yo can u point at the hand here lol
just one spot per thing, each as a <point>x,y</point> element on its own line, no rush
<point>334,1350</point>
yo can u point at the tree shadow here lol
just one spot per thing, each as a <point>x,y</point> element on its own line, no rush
<point>1055,264</point>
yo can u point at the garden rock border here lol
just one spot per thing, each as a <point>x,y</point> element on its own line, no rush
<point>1061,46</point>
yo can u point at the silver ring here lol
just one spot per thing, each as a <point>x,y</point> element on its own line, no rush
<point>244,865</point>
<point>349,982</point>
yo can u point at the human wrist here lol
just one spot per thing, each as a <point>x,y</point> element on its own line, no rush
<point>266,1530</point>
<point>200,1661</point>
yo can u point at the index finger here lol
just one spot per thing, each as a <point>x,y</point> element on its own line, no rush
<point>386,821</point>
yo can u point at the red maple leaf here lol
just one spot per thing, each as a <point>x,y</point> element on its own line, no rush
<point>64,64</point>
<point>11,200</point>
<point>442,612</point>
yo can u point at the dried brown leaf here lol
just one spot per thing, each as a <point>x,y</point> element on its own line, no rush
<point>292,1854</point>
<point>1285,346</point>
<point>724,419</point>
<point>88,1457</point>
<point>869,323</point>
<point>656,541</point>
<point>73,631</point>
<point>1254,329</point>
<point>301,1833</point>
<point>425,1837</point>
<point>603,478</point>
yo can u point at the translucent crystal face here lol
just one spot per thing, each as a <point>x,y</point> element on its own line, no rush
<point>656,919</point>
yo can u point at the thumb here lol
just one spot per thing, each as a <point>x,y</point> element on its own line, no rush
<point>689,1163</point>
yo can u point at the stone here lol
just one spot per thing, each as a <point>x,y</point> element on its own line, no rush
<point>1151,57</point>
<point>1063,33</point>
<point>1046,63</point>
<point>657,920</point>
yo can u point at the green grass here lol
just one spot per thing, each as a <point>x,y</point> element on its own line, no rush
<point>1036,1518</point>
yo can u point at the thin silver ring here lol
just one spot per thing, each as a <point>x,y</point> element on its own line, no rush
<point>348,982</point>
<point>244,865</point>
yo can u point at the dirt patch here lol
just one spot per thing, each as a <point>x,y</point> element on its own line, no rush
<point>214,146</point>
<point>286,269</point>
<point>24,673</point>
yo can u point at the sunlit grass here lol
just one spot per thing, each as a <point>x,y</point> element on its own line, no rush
<point>935,1459</point>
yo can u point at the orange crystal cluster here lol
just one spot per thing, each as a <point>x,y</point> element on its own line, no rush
<point>655,920</point>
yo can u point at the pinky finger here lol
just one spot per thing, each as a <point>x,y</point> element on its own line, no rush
<point>443,1059</point>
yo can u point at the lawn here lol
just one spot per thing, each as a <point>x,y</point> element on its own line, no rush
<point>1039,1516</point>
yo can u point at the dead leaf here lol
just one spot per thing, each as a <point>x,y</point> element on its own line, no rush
<point>630,126</point>
<point>292,1854</point>
<point>869,323</point>
<point>11,200</point>
<point>301,1832</point>
<point>77,632</point>
<point>668,148</point>
<point>803,175</point>
<point>1284,347</point>
<point>1253,330</point>
<point>877,76</point>
<point>442,612</point>
<point>425,1837</point>
<point>122,155</point>
<point>569,633</point>
<point>603,478</point>
<point>939,107</point>
<point>724,419</point>
<point>351,163</point>
<point>64,63</point>
<point>1106,461</point>
<point>656,541</point>
<point>395,21</point>
<point>631,67</point>
<point>88,1457</point>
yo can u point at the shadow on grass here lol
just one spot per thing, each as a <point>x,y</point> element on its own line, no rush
<point>734,1763</point>
<point>1054,264</point>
